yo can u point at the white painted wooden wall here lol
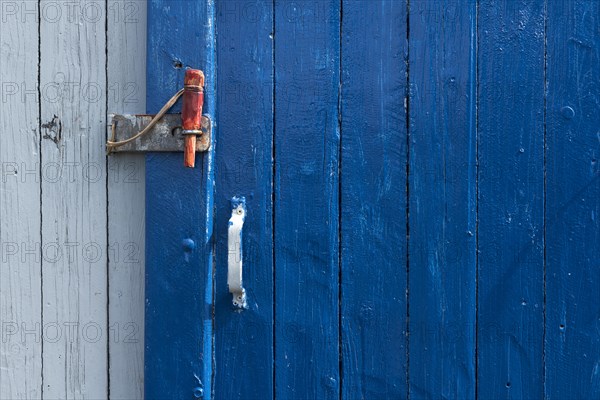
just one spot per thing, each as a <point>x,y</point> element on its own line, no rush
<point>71,219</point>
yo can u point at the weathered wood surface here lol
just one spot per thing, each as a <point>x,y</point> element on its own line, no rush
<point>373,200</point>
<point>244,167</point>
<point>126,93</point>
<point>20,217</point>
<point>572,345</point>
<point>307,80</point>
<point>179,213</point>
<point>74,236</point>
<point>442,191</point>
<point>510,304</point>
<point>62,156</point>
<point>501,199</point>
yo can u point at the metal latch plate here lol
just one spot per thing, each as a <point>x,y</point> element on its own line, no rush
<point>165,136</point>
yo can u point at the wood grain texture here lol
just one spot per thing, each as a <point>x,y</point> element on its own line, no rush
<point>373,200</point>
<point>306,205</point>
<point>126,93</point>
<point>511,199</point>
<point>74,240</point>
<point>442,185</point>
<point>244,167</point>
<point>179,207</point>
<point>20,222</point>
<point>572,351</point>
<point>54,190</point>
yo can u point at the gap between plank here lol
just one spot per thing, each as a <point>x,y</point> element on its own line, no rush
<point>273,181</point>
<point>545,191</point>
<point>407,115</point>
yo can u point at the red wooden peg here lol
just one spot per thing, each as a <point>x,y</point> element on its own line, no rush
<point>191,114</point>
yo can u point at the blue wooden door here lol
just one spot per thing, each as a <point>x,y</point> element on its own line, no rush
<point>422,201</point>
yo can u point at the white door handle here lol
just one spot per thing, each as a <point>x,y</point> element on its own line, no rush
<point>234,256</point>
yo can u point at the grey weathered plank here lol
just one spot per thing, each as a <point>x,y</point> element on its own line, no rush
<point>20,294</point>
<point>73,115</point>
<point>126,90</point>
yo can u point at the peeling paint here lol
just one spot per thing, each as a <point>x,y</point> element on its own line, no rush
<point>52,130</point>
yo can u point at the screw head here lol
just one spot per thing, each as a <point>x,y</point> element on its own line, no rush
<point>188,245</point>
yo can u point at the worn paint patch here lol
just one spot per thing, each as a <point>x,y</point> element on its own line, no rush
<point>52,130</point>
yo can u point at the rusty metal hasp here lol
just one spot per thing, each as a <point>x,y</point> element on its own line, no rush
<point>189,131</point>
<point>166,135</point>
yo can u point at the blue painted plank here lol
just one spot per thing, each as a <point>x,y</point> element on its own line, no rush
<point>244,167</point>
<point>307,41</point>
<point>178,335</point>
<point>511,199</point>
<point>442,207</point>
<point>573,201</point>
<point>373,200</point>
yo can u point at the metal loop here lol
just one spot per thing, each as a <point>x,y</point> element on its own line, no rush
<point>195,132</point>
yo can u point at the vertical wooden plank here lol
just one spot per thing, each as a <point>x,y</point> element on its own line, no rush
<point>511,199</point>
<point>179,206</point>
<point>572,206</point>
<point>74,247</point>
<point>20,223</point>
<point>442,186</point>
<point>244,167</point>
<point>307,41</point>
<point>126,93</point>
<point>373,200</point>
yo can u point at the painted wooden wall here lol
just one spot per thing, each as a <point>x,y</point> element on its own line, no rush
<point>72,220</point>
<point>423,197</point>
